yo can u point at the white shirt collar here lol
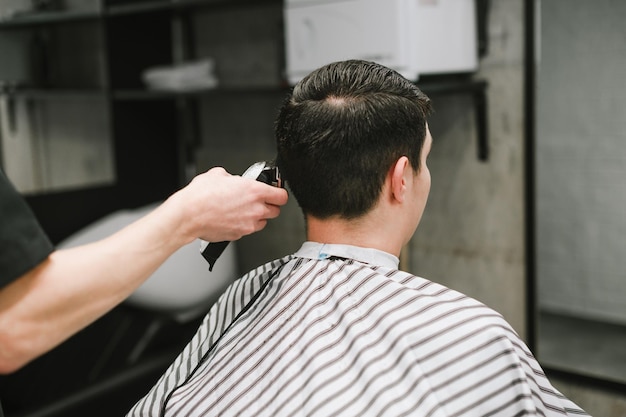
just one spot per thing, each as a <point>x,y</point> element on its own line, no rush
<point>315,250</point>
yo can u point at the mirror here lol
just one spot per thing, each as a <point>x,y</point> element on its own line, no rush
<point>580,187</point>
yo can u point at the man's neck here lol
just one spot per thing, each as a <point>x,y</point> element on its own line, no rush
<point>364,232</point>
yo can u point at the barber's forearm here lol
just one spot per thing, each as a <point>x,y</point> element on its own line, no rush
<point>74,287</point>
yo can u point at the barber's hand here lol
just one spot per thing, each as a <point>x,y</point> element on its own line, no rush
<point>218,206</point>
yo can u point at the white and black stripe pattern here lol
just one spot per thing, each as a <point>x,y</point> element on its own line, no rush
<point>236,297</point>
<point>334,336</point>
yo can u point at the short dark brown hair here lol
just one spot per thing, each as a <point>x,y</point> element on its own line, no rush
<point>341,129</point>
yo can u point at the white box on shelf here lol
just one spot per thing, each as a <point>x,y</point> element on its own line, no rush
<point>414,37</point>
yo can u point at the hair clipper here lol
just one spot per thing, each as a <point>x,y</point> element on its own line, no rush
<point>261,171</point>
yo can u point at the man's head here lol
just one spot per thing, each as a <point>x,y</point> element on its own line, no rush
<point>340,132</point>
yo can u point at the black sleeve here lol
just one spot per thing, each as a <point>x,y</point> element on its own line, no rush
<point>23,243</point>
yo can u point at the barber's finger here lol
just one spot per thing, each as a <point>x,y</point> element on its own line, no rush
<point>272,211</point>
<point>220,171</point>
<point>261,224</point>
<point>276,196</point>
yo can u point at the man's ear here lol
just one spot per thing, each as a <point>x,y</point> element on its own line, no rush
<point>399,178</point>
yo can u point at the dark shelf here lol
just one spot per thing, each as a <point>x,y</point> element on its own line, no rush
<point>51,17</point>
<point>40,18</point>
<point>142,7</point>
<point>173,5</point>
<point>439,85</point>
<point>139,95</point>
<point>42,93</point>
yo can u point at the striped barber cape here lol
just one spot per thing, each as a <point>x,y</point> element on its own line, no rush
<point>337,330</point>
